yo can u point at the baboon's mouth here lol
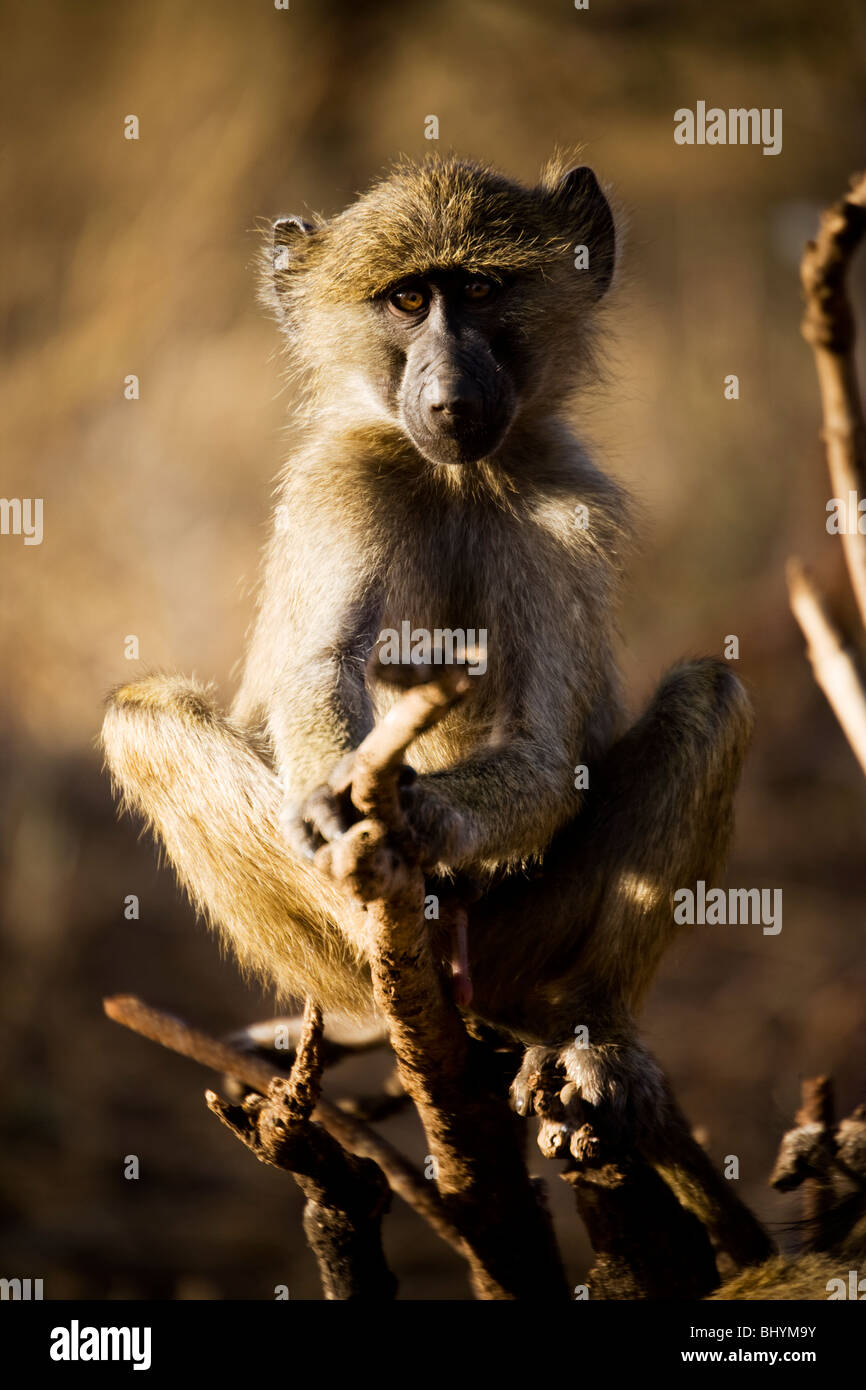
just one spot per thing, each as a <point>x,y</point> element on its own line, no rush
<point>458,445</point>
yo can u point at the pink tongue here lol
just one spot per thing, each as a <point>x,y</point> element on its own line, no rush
<point>460,961</point>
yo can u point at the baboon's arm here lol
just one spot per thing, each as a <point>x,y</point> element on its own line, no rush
<point>499,804</point>
<point>505,799</point>
<point>324,712</point>
<point>304,682</point>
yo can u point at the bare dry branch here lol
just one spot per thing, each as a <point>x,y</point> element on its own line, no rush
<point>346,1197</point>
<point>383,749</point>
<point>807,1153</point>
<point>832,661</point>
<point>481,1174</point>
<point>646,1245</point>
<point>828,1163</point>
<point>173,1033</point>
<point>828,326</point>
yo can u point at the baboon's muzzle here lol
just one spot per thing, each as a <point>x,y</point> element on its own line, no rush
<point>459,415</point>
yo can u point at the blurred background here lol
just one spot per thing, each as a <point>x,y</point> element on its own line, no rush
<point>136,257</point>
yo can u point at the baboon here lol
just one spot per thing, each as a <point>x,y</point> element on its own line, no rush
<point>442,326</point>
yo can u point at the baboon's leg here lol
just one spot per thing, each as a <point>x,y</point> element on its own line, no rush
<point>658,818</point>
<point>214,803</point>
<point>597,917</point>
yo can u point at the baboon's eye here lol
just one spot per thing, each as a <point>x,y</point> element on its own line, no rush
<point>409,299</point>
<point>476,291</point>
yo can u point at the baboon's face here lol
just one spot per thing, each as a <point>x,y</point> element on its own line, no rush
<point>453,376</point>
<point>447,301</point>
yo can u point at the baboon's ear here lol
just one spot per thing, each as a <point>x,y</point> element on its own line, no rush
<point>289,233</point>
<point>579,193</point>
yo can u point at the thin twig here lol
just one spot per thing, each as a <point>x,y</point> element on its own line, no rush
<point>832,661</point>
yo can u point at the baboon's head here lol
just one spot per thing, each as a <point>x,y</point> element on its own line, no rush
<point>448,299</point>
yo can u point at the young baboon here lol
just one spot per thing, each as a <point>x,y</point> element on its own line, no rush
<point>441,326</point>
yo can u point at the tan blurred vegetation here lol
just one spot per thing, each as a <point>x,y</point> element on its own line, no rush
<point>136,257</point>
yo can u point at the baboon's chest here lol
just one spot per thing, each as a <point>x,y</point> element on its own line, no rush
<point>460,580</point>
<point>503,590</point>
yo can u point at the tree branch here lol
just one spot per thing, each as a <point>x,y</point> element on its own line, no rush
<point>481,1175</point>
<point>828,326</point>
<point>346,1197</point>
<point>352,1133</point>
<point>832,660</point>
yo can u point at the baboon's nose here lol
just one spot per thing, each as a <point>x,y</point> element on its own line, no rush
<point>452,399</point>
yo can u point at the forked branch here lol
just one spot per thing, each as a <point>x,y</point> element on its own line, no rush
<point>828,326</point>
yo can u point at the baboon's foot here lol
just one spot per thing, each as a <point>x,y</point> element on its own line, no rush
<point>592,1101</point>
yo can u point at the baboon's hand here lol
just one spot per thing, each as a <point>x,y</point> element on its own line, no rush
<point>440,830</point>
<point>327,812</point>
<point>324,815</point>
